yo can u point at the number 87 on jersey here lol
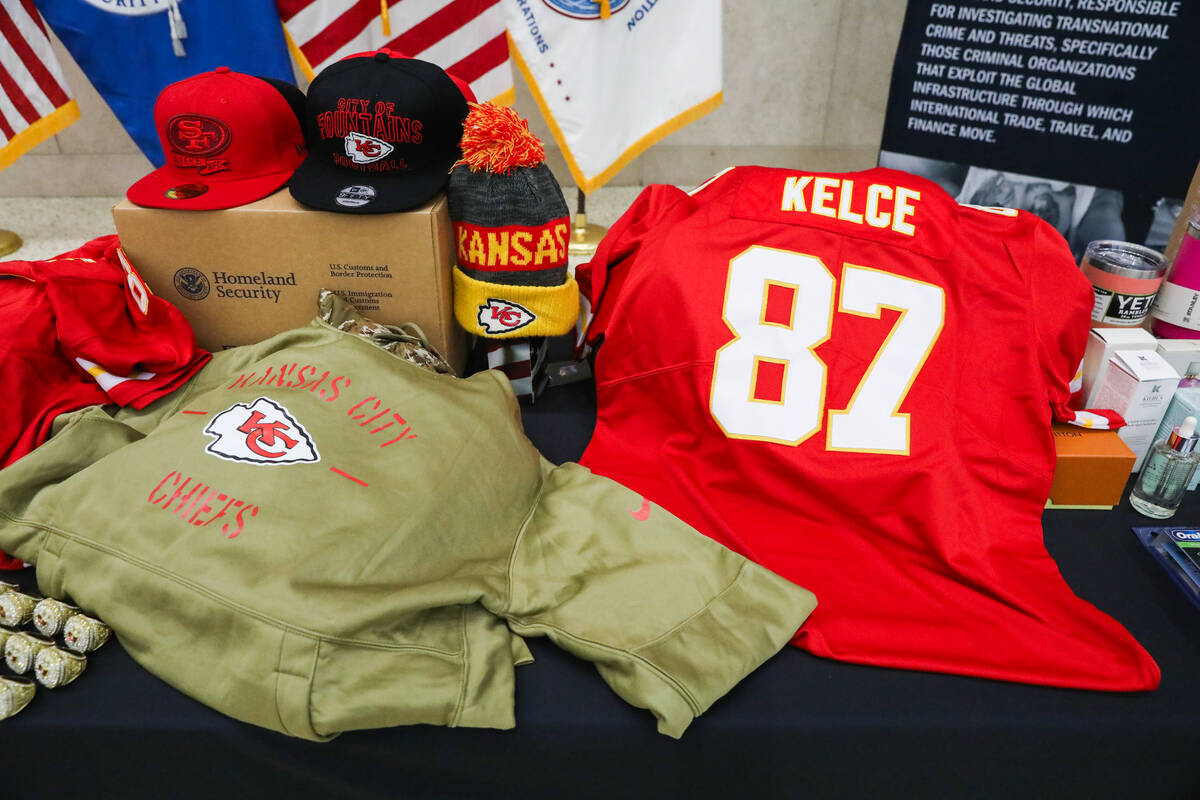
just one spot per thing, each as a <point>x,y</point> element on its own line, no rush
<point>768,382</point>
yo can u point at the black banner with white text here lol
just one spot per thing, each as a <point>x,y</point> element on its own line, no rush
<point>1083,111</point>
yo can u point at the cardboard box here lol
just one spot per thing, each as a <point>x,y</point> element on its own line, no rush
<point>1180,354</point>
<point>1091,467</point>
<point>243,274</point>
<point>1102,344</point>
<point>1138,385</point>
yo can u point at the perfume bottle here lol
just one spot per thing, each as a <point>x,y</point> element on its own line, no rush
<point>1169,466</point>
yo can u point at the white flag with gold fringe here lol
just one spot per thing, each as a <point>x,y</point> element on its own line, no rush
<point>614,77</point>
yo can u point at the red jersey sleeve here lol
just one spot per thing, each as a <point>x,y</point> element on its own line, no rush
<point>602,276</point>
<point>1060,306</point>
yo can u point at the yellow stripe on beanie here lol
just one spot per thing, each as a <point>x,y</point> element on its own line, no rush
<point>505,310</point>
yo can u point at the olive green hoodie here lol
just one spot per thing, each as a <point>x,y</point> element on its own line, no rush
<point>315,536</point>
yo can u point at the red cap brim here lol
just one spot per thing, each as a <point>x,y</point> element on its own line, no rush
<point>167,188</point>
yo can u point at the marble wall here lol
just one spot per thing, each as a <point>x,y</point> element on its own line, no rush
<point>806,83</point>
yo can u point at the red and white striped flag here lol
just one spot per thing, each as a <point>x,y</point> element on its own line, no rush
<point>35,102</point>
<point>463,37</point>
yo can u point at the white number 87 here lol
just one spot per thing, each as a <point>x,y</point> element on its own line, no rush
<point>768,383</point>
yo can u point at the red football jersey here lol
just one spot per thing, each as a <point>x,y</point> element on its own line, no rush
<point>850,379</point>
<point>82,329</point>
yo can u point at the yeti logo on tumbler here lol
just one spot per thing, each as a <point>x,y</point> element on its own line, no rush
<point>387,127</point>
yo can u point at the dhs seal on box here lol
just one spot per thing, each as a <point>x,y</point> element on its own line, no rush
<point>191,283</point>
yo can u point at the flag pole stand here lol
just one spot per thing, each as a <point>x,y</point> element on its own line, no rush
<point>585,236</point>
<point>10,242</point>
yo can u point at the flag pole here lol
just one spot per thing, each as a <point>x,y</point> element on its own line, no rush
<point>9,242</point>
<point>585,236</point>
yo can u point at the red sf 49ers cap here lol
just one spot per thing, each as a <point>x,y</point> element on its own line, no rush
<point>383,132</point>
<point>228,138</point>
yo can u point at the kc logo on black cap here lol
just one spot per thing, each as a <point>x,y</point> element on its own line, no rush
<point>383,132</point>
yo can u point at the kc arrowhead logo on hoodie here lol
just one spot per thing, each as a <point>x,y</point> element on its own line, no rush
<point>262,432</point>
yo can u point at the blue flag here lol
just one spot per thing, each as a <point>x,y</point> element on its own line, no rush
<point>131,49</point>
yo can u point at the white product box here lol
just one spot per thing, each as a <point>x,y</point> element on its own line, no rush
<point>1138,385</point>
<point>1180,353</point>
<point>1102,344</point>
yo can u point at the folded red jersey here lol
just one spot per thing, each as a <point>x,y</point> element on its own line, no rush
<point>82,329</point>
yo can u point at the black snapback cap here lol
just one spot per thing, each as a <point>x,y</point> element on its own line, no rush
<point>383,133</point>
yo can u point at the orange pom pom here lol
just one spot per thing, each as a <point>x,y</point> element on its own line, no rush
<point>497,139</point>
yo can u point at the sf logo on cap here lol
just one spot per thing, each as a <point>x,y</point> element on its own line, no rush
<point>502,316</point>
<point>262,432</point>
<point>197,134</point>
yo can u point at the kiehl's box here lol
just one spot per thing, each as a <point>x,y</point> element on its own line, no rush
<point>241,275</point>
<point>1101,345</point>
<point>1138,385</point>
<point>1091,467</point>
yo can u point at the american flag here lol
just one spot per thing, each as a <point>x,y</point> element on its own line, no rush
<point>463,37</point>
<point>35,102</point>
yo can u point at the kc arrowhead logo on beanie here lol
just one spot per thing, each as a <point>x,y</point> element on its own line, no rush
<point>383,132</point>
<point>228,139</point>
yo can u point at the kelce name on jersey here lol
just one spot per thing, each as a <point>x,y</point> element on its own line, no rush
<point>883,206</point>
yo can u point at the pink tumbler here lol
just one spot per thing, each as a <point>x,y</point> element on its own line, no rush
<point>1176,313</point>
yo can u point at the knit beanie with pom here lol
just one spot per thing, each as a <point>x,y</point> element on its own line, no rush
<point>511,230</point>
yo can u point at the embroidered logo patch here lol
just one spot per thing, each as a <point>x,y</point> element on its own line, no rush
<point>354,196</point>
<point>363,149</point>
<point>262,432</point>
<point>502,316</point>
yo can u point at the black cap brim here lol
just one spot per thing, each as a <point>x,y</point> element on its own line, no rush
<point>330,188</point>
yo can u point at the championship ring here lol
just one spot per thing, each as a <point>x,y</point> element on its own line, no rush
<point>84,634</point>
<point>16,608</point>
<point>50,615</point>
<point>22,648</point>
<point>6,632</point>
<point>15,694</point>
<point>5,586</point>
<point>55,667</point>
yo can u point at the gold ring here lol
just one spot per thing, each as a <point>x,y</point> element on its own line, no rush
<point>49,615</point>
<point>84,634</point>
<point>22,648</point>
<point>16,608</point>
<point>15,694</point>
<point>5,586</point>
<point>55,667</point>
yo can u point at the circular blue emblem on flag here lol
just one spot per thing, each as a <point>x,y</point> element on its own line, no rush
<point>584,9</point>
<point>130,8</point>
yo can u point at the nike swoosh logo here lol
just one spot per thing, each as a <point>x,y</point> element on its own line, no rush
<point>641,514</point>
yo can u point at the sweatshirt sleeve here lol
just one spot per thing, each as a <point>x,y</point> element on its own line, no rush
<point>29,486</point>
<point>672,619</point>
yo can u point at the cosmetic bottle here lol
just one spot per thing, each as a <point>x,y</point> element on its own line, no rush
<point>1160,487</point>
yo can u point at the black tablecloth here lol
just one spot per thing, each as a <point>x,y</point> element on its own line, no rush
<point>798,727</point>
